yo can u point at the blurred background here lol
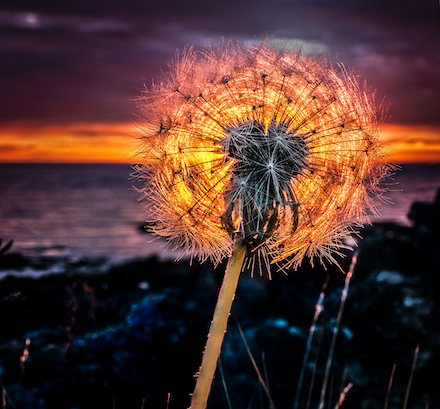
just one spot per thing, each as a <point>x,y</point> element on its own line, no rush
<point>112,321</point>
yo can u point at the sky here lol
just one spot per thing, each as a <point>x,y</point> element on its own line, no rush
<point>71,71</point>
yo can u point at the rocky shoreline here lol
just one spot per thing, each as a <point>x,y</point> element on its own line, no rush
<point>94,335</point>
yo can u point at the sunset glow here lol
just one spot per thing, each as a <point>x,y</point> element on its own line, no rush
<point>116,142</point>
<point>70,143</point>
<point>413,143</point>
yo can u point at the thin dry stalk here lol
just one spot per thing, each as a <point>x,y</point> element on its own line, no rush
<point>318,309</point>
<point>389,387</point>
<point>315,366</point>
<point>6,398</point>
<point>3,396</point>
<point>336,329</point>
<point>222,375</point>
<point>344,375</point>
<point>260,378</point>
<point>24,357</point>
<point>330,397</point>
<point>413,368</point>
<point>266,376</point>
<point>343,395</point>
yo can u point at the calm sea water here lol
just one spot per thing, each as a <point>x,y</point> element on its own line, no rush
<point>92,209</point>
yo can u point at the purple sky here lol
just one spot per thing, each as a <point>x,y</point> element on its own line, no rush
<point>85,60</point>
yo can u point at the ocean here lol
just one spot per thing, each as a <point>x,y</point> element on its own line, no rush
<point>92,210</point>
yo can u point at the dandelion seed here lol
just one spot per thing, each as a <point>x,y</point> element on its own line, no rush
<point>276,147</point>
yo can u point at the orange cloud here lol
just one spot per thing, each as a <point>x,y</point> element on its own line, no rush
<point>117,143</point>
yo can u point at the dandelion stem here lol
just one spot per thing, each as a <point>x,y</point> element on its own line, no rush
<point>218,327</point>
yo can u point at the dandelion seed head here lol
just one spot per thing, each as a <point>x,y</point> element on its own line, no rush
<point>276,147</point>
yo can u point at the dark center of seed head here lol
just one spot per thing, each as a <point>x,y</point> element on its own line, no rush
<point>264,164</point>
<point>255,152</point>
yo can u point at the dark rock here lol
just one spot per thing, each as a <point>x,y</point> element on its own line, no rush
<point>13,261</point>
<point>426,216</point>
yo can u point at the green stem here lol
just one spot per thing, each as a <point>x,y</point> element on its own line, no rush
<point>218,327</point>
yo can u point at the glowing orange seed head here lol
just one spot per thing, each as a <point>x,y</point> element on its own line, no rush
<point>270,145</point>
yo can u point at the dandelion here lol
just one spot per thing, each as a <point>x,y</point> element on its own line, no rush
<point>272,146</point>
<point>259,152</point>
